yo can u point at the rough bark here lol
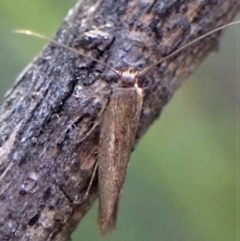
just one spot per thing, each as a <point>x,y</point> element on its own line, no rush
<point>51,118</point>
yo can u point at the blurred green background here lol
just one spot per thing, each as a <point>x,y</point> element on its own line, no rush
<point>182,181</point>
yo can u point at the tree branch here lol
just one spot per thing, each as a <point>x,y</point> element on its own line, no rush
<point>51,118</point>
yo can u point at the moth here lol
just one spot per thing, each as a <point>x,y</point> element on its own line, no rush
<point>118,132</point>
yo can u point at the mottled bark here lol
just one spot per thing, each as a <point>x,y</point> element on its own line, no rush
<point>51,118</point>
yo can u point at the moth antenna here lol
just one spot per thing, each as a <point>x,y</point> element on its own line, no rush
<point>145,71</point>
<point>140,73</point>
<point>38,35</point>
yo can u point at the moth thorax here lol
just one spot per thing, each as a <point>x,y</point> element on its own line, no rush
<point>128,79</point>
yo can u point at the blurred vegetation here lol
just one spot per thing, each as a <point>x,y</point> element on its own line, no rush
<point>182,179</point>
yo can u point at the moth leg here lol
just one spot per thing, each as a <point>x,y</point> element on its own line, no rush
<point>82,198</point>
<point>91,181</point>
<point>95,124</point>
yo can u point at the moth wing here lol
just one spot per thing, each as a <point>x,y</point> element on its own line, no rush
<point>117,138</point>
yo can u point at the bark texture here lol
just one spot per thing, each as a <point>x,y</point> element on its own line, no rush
<point>51,118</point>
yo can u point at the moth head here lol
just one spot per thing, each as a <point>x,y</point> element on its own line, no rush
<point>128,79</point>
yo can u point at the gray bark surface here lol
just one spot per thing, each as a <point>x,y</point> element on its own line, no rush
<point>51,118</point>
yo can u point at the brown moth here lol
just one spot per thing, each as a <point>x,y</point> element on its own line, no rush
<point>118,131</point>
